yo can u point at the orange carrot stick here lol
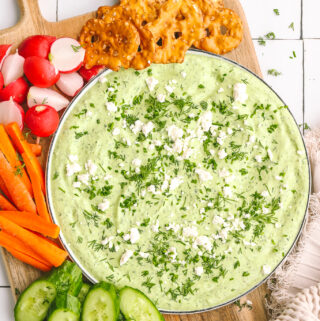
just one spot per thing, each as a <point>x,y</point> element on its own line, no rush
<point>3,189</point>
<point>14,245</point>
<point>40,246</point>
<point>32,222</point>
<point>17,190</point>
<point>9,152</point>
<point>5,205</point>
<point>36,149</point>
<point>23,146</point>
<point>29,260</point>
<point>37,191</point>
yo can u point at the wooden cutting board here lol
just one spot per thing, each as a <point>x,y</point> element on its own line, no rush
<point>31,23</point>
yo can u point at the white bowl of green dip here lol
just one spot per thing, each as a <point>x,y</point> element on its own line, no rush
<point>187,181</point>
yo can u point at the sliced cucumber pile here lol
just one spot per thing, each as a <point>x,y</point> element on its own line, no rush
<point>137,306</point>
<point>34,302</point>
<point>62,296</point>
<point>101,303</point>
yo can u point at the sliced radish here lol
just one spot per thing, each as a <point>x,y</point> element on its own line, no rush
<point>36,46</point>
<point>10,112</point>
<point>4,52</point>
<point>12,68</point>
<point>87,74</point>
<point>1,80</point>
<point>18,90</point>
<point>37,96</point>
<point>40,72</point>
<point>67,55</point>
<point>43,120</point>
<point>70,84</point>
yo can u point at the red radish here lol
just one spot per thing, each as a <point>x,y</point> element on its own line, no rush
<point>70,84</point>
<point>12,68</point>
<point>4,52</point>
<point>40,72</point>
<point>37,96</point>
<point>18,90</point>
<point>1,80</point>
<point>67,55</point>
<point>10,112</point>
<point>42,120</point>
<point>87,74</point>
<point>36,46</point>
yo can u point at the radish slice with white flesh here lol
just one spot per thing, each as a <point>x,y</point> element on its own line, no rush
<point>4,52</point>
<point>10,112</point>
<point>67,55</point>
<point>70,84</point>
<point>12,68</point>
<point>41,96</point>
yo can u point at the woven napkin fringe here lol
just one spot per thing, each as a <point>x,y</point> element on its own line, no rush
<point>284,283</point>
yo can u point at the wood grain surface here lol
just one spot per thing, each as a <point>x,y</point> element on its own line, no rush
<point>31,23</point>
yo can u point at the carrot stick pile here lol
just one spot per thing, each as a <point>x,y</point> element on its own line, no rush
<point>24,218</point>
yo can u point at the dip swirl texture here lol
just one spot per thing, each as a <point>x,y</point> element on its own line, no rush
<point>187,181</point>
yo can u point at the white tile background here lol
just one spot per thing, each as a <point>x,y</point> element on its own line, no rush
<point>298,84</point>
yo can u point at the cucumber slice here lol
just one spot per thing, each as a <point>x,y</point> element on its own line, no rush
<point>67,278</point>
<point>63,315</point>
<point>83,292</point>
<point>137,306</point>
<point>34,302</point>
<point>101,303</point>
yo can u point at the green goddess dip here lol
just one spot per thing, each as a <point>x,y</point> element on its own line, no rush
<point>187,181</point>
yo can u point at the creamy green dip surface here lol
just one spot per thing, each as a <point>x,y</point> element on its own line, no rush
<point>187,181</point>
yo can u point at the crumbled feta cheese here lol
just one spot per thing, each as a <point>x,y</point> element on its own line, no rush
<point>252,139</point>
<point>136,162</point>
<point>221,90</point>
<point>227,191</point>
<point>230,179</point>
<point>111,106</point>
<point>125,257</point>
<point>277,225</point>
<point>144,255</point>
<point>151,189</point>
<point>91,167</point>
<point>104,205</point>
<point>204,176</point>
<point>169,89</point>
<point>240,92</point>
<point>218,220</point>
<point>126,237</point>
<point>89,113</point>
<point>222,154</point>
<point>116,131</point>
<point>73,168</point>
<point>84,179</point>
<point>266,269</point>
<point>278,178</point>
<point>73,158</point>
<point>229,250</point>
<point>205,120</point>
<point>190,231</point>
<point>147,128</point>
<point>76,184</point>
<point>258,158</point>
<point>134,235</point>
<point>161,98</point>
<point>107,240</point>
<point>137,127</point>
<point>265,210</point>
<point>174,132</point>
<point>265,193</point>
<point>107,177</point>
<point>152,83</point>
<point>198,270</point>
<point>174,227</point>
<point>121,164</point>
<point>270,154</point>
<point>172,252</point>
<point>102,79</point>
<point>176,182</point>
<point>183,74</point>
<point>203,241</point>
<point>155,227</point>
<point>300,152</point>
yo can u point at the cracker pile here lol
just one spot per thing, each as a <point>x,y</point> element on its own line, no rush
<point>136,33</point>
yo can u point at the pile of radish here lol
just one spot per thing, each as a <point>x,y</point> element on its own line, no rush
<point>40,68</point>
